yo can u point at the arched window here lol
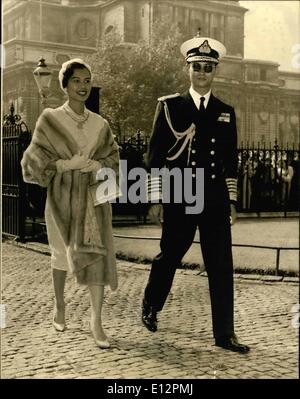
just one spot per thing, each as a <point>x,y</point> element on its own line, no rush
<point>109,29</point>
<point>263,74</point>
<point>82,28</point>
<point>195,25</point>
<point>180,26</point>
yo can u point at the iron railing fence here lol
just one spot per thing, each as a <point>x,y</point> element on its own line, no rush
<point>268,178</point>
<point>15,139</point>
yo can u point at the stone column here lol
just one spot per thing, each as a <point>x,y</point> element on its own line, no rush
<point>206,22</point>
<point>249,117</point>
<point>211,17</point>
<point>222,28</point>
<point>276,110</point>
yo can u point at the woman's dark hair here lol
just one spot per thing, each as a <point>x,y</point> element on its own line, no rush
<point>69,72</point>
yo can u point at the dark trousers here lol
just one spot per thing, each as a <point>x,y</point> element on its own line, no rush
<point>215,236</point>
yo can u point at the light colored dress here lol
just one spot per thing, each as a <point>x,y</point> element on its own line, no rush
<point>85,137</point>
<point>83,246</point>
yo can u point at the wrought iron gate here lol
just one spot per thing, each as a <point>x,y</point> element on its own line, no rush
<point>16,137</point>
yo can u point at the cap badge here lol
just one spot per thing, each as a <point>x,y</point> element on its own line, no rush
<point>205,47</point>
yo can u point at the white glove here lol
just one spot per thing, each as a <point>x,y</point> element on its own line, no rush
<point>76,162</point>
<point>92,166</point>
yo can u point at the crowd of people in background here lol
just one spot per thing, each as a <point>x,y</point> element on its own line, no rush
<point>268,180</point>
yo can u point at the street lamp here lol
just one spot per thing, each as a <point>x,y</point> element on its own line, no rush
<point>43,76</point>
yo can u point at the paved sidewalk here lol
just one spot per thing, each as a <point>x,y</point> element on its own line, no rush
<point>277,233</point>
<point>182,348</point>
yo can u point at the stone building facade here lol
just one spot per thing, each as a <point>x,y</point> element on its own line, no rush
<point>267,100</point>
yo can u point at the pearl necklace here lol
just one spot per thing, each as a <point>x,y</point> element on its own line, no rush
<point>80,119</point>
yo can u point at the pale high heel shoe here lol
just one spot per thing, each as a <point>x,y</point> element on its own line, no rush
<point>58,326</point>
<point>103,344</point>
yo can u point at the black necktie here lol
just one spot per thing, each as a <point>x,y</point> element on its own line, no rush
<point>202,108</point>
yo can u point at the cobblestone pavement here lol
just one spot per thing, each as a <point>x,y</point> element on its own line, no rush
<point>182,348</point>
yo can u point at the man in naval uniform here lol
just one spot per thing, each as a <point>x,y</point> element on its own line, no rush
<point>196,130</point>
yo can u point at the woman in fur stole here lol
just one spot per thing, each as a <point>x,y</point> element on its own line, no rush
<point>69,146</point>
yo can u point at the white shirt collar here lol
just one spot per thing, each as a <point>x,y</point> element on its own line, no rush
<point>196,97</point>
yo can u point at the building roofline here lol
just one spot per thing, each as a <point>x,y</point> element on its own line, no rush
<point>290,73</point>
<point>17,68</point>
<point>48,4</point>
<point>257,61</point>
<point>108,3</point>
<point>50,45</point>
<point>13,8</point>
<point>233,5</point>
<point>229,57</point>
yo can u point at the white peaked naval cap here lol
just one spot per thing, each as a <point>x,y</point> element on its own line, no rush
<point>203,49</point>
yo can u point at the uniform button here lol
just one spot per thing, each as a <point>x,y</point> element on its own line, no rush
<point>193,151</point>
<point>212,152</point>
<point>193,163</point>
<point>213,140</point>
<point>193,175</point>
<point>213,176</point>
<point>213,165</point>
<point>194,139</point>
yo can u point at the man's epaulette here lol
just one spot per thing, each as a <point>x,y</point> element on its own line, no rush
<point>167,97</point>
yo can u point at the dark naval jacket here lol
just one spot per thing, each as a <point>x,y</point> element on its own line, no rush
<point>184,138</point>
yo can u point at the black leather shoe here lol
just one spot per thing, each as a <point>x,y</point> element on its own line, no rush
<point>232,344</point>
<point>149,317</point>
